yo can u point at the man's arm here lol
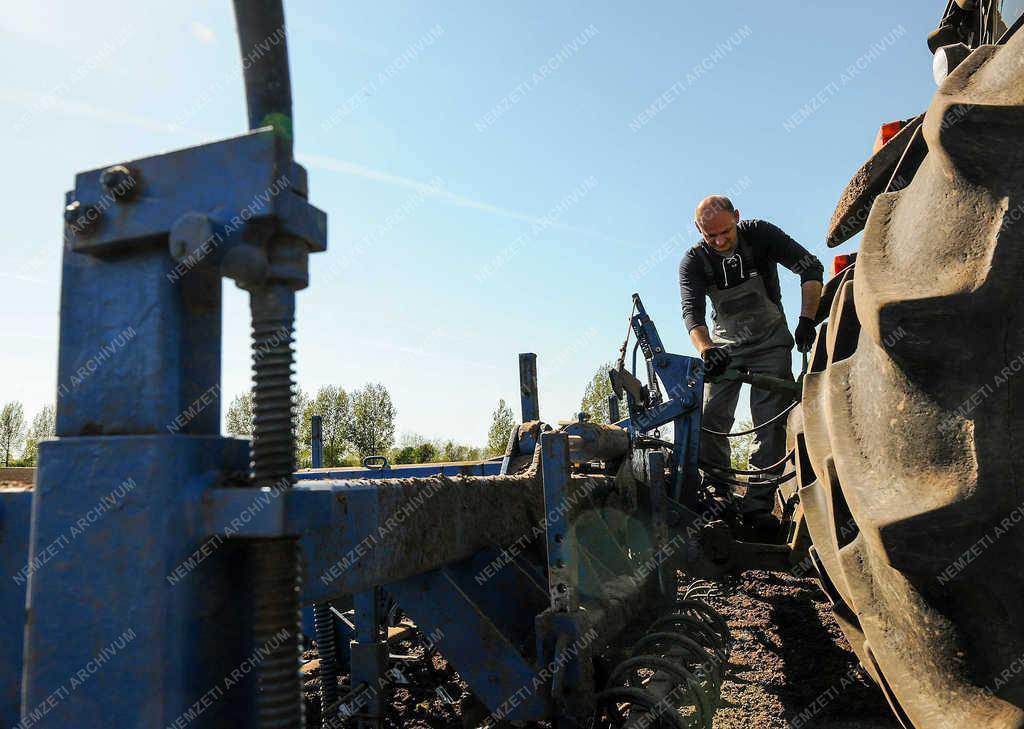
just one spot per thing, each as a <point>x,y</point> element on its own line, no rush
<point>701,338</point>
<point>692,290</point>
<point>783,249</point>
<point>810,297</point>
<point>804,264</point>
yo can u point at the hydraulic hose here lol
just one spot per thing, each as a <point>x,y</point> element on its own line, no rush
<point>784,411</point>
<point>770,482</point>
<point>753,472</point>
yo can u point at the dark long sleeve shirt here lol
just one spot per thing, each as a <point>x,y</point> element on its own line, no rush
<point>761,247</point>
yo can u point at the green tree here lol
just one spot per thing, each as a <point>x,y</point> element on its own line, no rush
<point>425,452</point>
<point>301,428</point>
<point>373,420</point>
<point>44,425</point>
<point>596,394</point>
<point>12,429</point>
<point>334,407</point>
<point>502,422</point>
<point>742,446</point>
<point>238,419</point>
<point>453,451</point>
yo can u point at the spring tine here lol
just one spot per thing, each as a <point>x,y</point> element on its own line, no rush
<point>684,655</point>
<point>707,613</point>
<point>645,700</point>
<point>698,653</point>
<point>697,695</point>
<point>694,628</point>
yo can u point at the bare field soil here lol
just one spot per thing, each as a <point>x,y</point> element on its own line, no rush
<point>16,479</point>
<point>790,664</point>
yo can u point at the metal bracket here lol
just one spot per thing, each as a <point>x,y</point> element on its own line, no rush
<point>233,184</point>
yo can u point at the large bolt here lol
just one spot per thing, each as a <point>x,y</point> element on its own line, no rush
<point>120,182</point>
<point>81,217</point>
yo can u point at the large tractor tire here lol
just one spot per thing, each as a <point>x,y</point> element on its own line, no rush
<point>910,437</point>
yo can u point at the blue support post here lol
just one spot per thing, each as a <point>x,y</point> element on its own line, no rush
<point>369,657</point>
<point>528,387</point>
<point>316,426</point>
<point>562,630</point>
<point>133,594</point>
<point>562,546</point>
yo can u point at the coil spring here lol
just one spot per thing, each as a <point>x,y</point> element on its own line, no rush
<point>673,676</point>
<point>326,645</point>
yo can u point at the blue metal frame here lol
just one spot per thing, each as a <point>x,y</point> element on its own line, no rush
<point>683,378</point>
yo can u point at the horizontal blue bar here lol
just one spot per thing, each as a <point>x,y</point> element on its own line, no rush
<point>405,470</point>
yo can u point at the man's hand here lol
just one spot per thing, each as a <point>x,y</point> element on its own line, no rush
<point>804,334</point>
<point>716,361</point>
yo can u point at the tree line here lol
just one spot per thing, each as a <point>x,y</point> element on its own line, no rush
<point>361,423</point>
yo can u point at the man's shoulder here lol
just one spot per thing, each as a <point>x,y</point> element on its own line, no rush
<point>691,257</point>
<point>755,226</point>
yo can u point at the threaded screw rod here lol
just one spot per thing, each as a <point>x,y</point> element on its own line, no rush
<point>276,620</point>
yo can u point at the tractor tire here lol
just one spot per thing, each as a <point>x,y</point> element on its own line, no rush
<point>908,458</point>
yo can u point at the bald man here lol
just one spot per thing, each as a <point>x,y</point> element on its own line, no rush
<point>736,266</point>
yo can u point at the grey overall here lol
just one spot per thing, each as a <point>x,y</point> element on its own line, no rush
<point>753,330</point>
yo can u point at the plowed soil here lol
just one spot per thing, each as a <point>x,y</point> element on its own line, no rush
<point>790,664</point>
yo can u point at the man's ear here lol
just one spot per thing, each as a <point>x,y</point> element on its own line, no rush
<point>697,226</point>
<point>736,215</point>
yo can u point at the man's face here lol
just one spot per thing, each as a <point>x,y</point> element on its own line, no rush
<point>719,229</point>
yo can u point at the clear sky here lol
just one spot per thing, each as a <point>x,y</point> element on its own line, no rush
<point>499,178</point>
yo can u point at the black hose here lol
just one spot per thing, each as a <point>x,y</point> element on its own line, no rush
<point>785,410</point>
<point>754,472</point>
<point>268,88</point>
<point>768,482</point>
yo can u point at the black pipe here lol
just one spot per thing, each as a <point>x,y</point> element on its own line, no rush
<point>268,87</point>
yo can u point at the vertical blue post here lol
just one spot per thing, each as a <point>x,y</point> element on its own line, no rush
<point>561,630</point>
<point>528,387</point>
<point>317,441</point>
<point>369,657</point>
<point>563,559</point>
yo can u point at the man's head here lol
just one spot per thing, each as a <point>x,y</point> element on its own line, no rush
<point>716,219</point>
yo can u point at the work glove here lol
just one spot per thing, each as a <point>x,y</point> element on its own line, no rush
<point>804,334</point>
<point>716,361</point>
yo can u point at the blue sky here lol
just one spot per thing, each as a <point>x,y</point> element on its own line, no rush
<point>499,178</point>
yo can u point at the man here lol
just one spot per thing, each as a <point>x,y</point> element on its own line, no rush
<point>736,266</point>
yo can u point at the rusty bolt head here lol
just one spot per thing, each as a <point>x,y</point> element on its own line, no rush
<point>120,182</point>
<point>81,217</point>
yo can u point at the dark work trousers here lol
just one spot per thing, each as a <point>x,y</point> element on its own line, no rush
<point>753,330</point>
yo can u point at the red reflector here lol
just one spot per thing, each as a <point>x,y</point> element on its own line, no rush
<point>886,132</point>
<point>841,262</point>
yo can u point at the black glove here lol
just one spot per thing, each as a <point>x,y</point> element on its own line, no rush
<point>804,334</point>
<point>716,361</point>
